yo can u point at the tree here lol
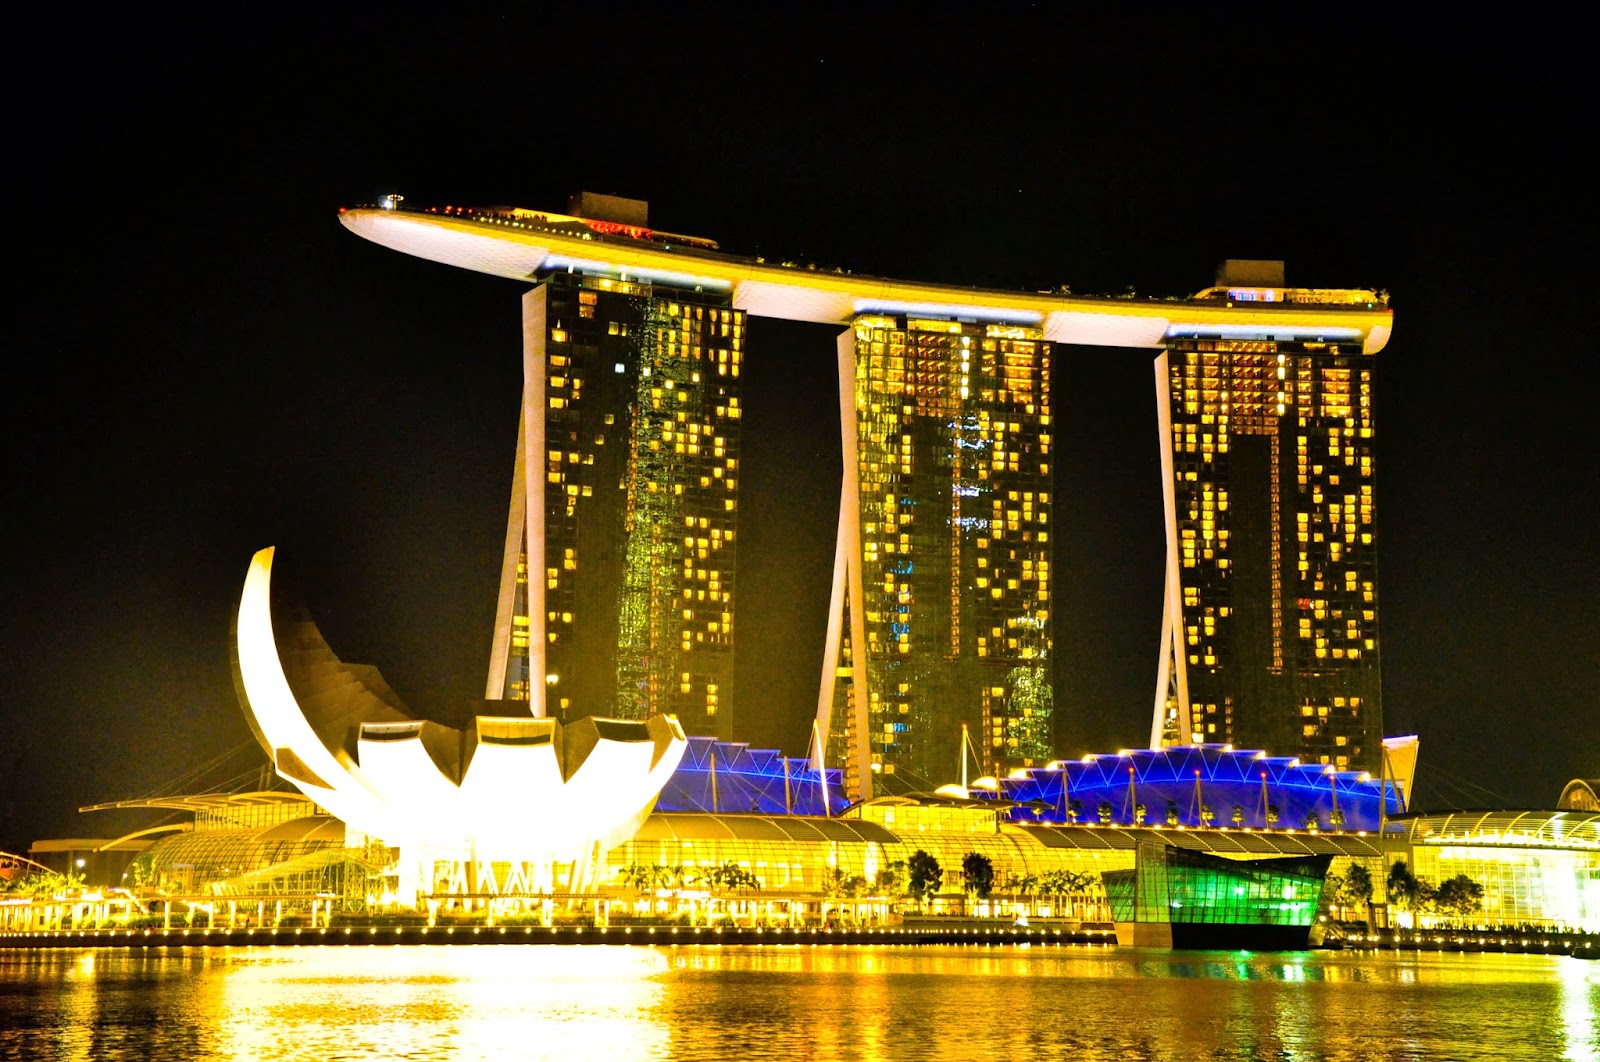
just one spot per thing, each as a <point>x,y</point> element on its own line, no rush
<point>1311,820</point>
<point>1238,815</point>
<point>1354,889</point>
<point>1139,813</point>
<point>731,875</point>
<point>1105,813</point>
<point>891,880</point>
<point>978,871</point>
<point>1075,812</point>
<point>1459,895</point>
<point>1022,884</point>
<point>924,876</point>
<point>1172,814</point>
<point>1401,886</point>
<point>1272,814</point>
<point>1207,816</point>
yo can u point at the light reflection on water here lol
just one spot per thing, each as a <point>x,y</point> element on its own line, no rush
<point>724,1003</point>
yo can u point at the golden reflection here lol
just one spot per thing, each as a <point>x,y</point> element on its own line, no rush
<point>444,1002</point>
<point>1580,1008</point>
<point>801,1002</point>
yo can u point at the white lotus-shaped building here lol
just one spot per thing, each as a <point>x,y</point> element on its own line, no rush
<point>503,787</point>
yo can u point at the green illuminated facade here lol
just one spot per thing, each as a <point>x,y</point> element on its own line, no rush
<point>1186,899</point>
<point>946,544</point>
<point>640,461</point>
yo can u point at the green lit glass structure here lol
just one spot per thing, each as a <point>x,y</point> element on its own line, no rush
<point>1180,898</point>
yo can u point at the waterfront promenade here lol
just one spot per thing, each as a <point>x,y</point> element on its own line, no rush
<point>964,933</point>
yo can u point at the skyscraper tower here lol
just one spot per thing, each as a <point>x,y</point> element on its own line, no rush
<point>1270,627</point>
<point>940,612</point>
<point>617,586</point>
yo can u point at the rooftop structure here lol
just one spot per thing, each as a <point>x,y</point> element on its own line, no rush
<point>721,776</point>
<point>1581,794</point>
<point>1196,786</point>
<point>525,245</point>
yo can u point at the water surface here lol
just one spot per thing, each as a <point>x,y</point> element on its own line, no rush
<point>795,1002</point>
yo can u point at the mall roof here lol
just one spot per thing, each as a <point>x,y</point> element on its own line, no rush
<point>1503,829</point>
<point>523,244</point>
<point>705,826</point>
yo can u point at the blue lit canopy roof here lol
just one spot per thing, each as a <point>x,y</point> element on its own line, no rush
<point>730,776</point>
<point>522,244</point>
<point>1177,785</point>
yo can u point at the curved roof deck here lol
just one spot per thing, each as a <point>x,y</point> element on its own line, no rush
<point>522,245</point>
<point>1503,828</point>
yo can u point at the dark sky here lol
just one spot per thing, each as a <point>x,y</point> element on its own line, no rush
<point>204,362</point>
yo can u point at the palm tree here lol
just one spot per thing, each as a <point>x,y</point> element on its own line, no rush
<point>1355,888</point>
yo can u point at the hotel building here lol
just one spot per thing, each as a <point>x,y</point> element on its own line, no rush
<point>1270,626</point>
<point>625,494</point>
<point>940,621</point>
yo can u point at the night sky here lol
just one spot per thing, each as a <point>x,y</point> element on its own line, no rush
<point>204,362</point>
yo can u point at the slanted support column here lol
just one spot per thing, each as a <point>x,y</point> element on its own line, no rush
<point>525,518</point>
<point>847,580</point>
<point>505,607</point>
<point>831,648</point>
<point>1172,672</point>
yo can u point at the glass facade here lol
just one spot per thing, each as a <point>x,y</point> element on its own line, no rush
<point>952,438</point>
<point>1272,609</point>
<point>1536,867</point>
<point>641,470</point>
<point>1209,901</point>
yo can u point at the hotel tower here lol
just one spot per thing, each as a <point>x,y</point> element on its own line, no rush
<point>1270,627</point>
<point>940,614</point>
<point>625,496</point>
